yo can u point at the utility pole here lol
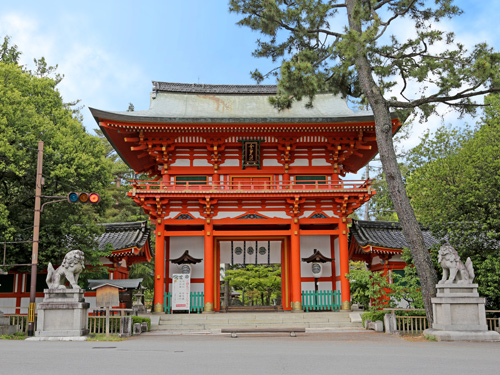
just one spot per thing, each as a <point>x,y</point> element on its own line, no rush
<point>36,235</point>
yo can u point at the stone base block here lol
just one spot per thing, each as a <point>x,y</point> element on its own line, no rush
<point>462,335</point>
<point>63,313</point>
<point>8,330</point>
<point>63,333</point>
<point>458,307</point>
<point>55,338</point>
<point>5,327</point>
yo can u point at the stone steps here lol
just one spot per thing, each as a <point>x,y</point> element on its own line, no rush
<point>215,322</point>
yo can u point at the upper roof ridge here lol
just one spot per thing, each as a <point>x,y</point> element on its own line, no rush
<point>202,88</point>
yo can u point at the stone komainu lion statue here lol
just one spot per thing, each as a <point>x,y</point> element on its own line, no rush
<point>454,271</point>
<point>70,269</point>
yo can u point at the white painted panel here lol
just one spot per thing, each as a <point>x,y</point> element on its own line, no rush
<point>197,287</point>
<point>195,245</point>
<point>25,302</point>
<point>194,214</point>
<point>300,163</point>
<point>271,163</point>
<point>325,285</point>
<point>376,260</point>
<point>201,163</point>
<point>271,214</point>
<point>231,163</point>
<point>338,285</point>
<point>181,163</point>
<point>307,285</point>
<point>319,162</point>
<point>396,258</point>
<point>104,260</point>
<point>337,258</point>
<point>8,305</point>
<point>225,252</point>
<point>307,246</point>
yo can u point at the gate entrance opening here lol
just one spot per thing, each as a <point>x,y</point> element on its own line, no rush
<point>253,275</point>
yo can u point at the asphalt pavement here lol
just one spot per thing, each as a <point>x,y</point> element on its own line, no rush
<point>309,353</point>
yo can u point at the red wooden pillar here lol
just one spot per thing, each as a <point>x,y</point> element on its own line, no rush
<point>209,279</point>
<point>216,180</point>
<point>344,264</point>
<point>295,266</point>
<point>159,267</point>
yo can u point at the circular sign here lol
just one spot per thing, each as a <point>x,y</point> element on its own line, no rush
<point>262,250</point>
<point>238,251</point>
<point>250,250</point>
<point>316,268</point>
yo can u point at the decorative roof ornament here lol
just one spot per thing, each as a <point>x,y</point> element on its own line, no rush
<point>185,259</point>
<point>317,257</point>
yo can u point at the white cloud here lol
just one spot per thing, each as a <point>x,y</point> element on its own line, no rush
<point>91,73</point>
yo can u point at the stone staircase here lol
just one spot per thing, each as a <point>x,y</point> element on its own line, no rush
<point>213,323</point>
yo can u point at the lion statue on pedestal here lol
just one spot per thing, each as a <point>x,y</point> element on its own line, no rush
<point>70,270</point>
<point>454,271</point>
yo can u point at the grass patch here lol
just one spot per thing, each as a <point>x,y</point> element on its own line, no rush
<point>102,337</point>
<point>430,338</point>
<point>15,336</point>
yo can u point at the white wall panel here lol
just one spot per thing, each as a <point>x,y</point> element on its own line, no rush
<point>195,245</point>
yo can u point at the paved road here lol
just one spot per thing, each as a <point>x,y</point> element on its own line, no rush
<point>311,353</point>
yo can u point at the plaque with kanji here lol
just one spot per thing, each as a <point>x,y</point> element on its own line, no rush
<point>251,153</point>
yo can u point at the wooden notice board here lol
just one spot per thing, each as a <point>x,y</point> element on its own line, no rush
<point>107,296</point>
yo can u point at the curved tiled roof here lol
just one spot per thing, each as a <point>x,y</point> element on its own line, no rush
<point>386,234</point>
<point>201,88</point>
<point>124,235</point>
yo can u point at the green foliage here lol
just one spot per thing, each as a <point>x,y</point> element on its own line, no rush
<point>32,109</point>
<point>14,336</point>
<point>373,316</point>
<point>456,193</point>
<point>256,281</point>
<point>370,289</point>
<point>318,43</point>
<point>102,337</point>
<point>9,54</point>
<point>406,287</point>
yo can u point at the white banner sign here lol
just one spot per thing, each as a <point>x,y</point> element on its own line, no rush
<point>181,290</point>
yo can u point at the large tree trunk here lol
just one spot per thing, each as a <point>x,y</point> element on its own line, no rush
<point>397,191</point>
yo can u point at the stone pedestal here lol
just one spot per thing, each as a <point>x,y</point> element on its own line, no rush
<point>5,327</point>
<point>459,315</point>
<point>63,313</point>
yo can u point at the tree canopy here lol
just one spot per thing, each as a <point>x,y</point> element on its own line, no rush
<point>456,194</point>
<point>354,47</point>
<point>256,281</point>
<point>32,109</point>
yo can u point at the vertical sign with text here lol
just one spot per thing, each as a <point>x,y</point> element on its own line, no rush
<point>181,287</point>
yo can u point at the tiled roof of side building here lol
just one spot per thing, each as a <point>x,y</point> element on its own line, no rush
<point>386,234</point>
<point>124,235</point>
<point>200,88</point>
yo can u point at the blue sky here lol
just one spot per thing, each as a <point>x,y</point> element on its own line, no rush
<point>110,51</point>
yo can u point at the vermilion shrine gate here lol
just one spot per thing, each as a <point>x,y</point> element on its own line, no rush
<point>228,168</point>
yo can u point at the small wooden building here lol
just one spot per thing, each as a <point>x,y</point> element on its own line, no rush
<point>380,244</point>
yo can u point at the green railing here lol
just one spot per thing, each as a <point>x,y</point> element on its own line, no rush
<point>322,300</point>
<point>196,303</point>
